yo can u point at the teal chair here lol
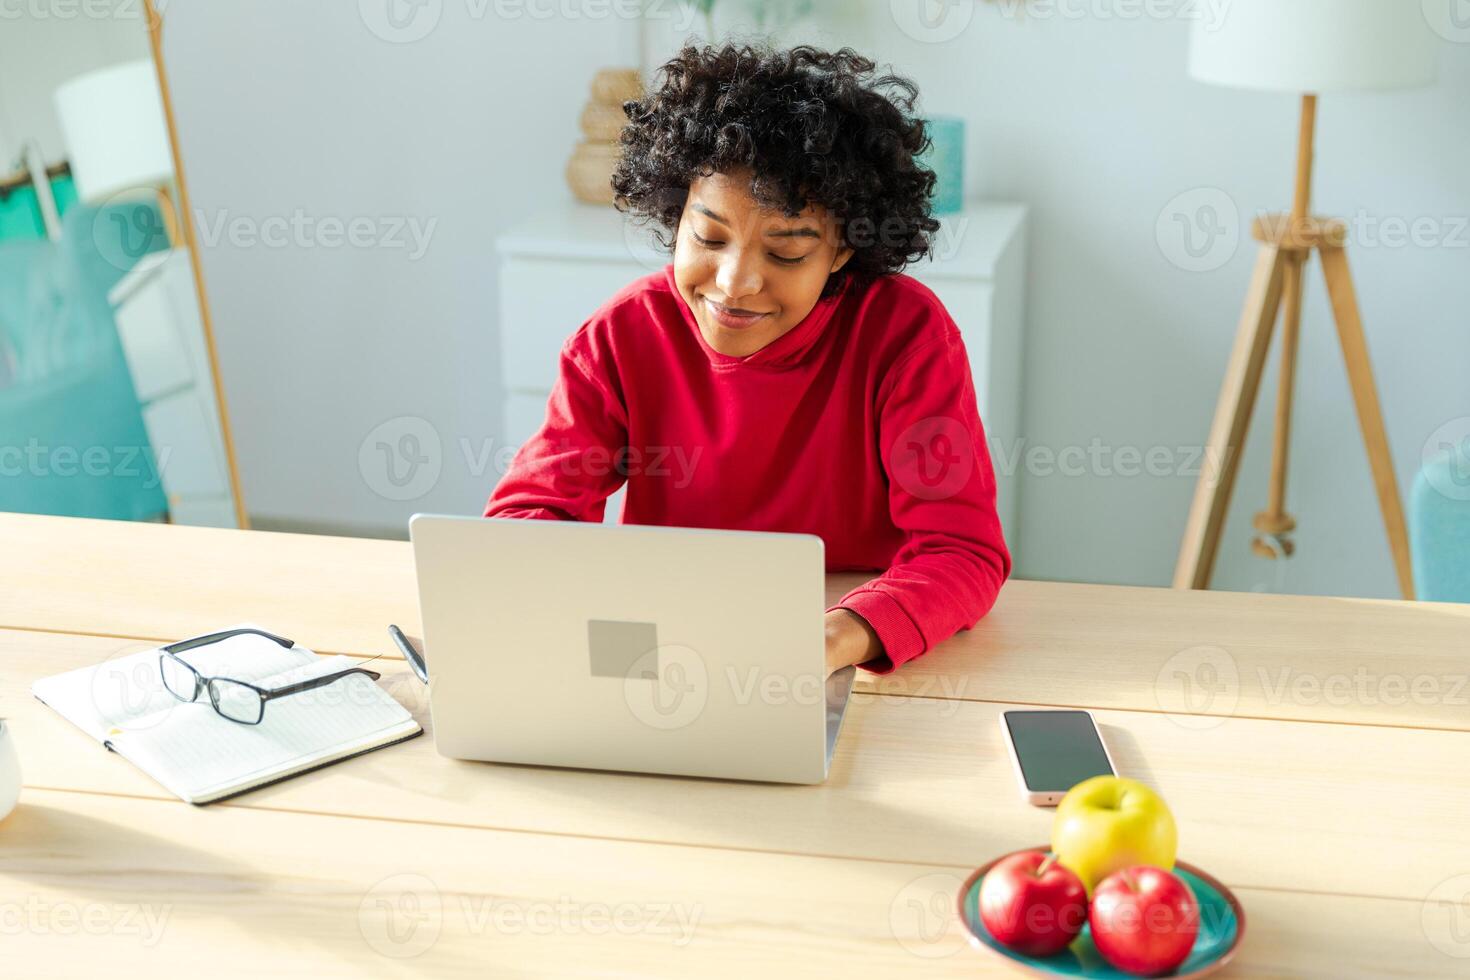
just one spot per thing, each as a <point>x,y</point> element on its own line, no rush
<point>1439,527</point>
<point>65,389</point>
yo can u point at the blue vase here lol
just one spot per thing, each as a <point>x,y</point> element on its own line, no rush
<point>946,157</point>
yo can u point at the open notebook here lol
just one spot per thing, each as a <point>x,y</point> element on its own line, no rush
<point>198,755</point>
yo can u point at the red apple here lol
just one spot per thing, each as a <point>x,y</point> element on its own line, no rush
<point>1144,920</point>
<point>1032,904</point>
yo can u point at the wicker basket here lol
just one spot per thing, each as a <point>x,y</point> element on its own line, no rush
<point>589,171</point>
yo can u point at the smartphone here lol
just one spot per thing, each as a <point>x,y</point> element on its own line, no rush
<point>1053,751</point>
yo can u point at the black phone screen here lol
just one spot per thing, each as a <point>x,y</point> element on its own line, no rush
<point>1056,749</point>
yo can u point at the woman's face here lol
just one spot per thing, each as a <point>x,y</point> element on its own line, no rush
<point>750,273</point>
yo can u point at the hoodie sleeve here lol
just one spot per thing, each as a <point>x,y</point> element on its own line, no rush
<point>941,494</point>
<point>566,471</point>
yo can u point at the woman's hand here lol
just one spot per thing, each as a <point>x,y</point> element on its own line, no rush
<point>850,640</point>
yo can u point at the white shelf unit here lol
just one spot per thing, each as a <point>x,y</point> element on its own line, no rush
<point>156,309</point>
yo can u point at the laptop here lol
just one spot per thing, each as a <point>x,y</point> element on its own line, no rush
<point>683,651</point>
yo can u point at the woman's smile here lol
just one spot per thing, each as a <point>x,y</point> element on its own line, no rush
<point>733,317</point>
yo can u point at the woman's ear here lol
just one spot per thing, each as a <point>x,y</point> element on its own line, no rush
<point>843,254</point>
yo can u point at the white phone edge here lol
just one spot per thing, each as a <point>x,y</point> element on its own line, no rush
<point>1027,794</point>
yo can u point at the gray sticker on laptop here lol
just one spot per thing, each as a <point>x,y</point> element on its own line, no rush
<point>614,646</point>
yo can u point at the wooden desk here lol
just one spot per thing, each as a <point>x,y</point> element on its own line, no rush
<point>1336,807</point>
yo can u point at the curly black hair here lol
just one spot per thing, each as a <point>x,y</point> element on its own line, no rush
<point>812,126</point>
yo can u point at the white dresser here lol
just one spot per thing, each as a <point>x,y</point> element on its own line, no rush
<point>157,313</point>
<point>560,265</point>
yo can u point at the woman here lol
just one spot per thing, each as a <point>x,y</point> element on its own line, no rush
<point>781,374</point>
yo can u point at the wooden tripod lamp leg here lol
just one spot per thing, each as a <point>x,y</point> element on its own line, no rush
<point>1274,523</point>
<point>1232,420</point>
<point>1370,414</point>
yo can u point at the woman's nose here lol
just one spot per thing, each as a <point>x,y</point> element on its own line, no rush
<point>738,274</point>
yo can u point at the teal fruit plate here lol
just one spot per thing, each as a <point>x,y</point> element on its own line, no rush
<point>1221,926</point>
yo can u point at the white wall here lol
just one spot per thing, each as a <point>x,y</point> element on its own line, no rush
<point>43,45</point>
<point>305,113</point>
<point>1088,118</point>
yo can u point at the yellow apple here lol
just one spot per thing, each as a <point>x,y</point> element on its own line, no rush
<point>1105,824</point>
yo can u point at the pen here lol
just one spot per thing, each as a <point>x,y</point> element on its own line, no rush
<point>414,658</point>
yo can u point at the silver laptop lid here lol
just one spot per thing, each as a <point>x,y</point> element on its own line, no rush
<point>671,650</point>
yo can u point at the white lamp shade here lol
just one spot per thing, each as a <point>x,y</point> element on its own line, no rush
<point>1315,45</point>
<point>112,123</point>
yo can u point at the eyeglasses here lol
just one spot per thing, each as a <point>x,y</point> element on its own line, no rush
<point>237,700</point>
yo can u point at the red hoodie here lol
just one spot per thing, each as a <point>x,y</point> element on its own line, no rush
<point>859,425</point>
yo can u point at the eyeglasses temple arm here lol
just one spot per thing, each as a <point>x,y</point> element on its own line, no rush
<point>200,641</point>
<point>316,682</point>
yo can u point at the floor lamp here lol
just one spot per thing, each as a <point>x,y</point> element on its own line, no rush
<point>1306,47</point>
<point>116,141</point>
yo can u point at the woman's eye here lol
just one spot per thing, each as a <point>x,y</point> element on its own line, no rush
<point>710,243</point>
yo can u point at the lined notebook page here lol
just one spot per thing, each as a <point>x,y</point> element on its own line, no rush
<point>198,750</point>
<point>197,754</point>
